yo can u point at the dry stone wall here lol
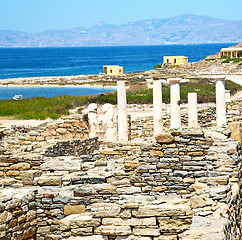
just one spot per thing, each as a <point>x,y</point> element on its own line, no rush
<point>17,214</point>
<point>233,230</point>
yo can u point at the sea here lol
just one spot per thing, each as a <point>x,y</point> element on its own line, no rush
<point>40,62</point>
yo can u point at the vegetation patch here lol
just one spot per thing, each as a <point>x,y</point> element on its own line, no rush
<point>234,60</point>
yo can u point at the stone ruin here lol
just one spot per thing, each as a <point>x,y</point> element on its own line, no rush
<point>72,179</point>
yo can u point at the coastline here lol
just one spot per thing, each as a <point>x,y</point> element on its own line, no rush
<point>56,85</point>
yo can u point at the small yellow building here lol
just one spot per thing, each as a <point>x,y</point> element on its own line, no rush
<point>113,70</point>
<point>230,52</point>
<point>175,59</point>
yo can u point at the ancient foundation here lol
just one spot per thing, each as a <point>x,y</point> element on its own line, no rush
<point>57,183</point>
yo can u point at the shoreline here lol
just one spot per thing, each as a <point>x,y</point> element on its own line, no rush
<point>56,85</point>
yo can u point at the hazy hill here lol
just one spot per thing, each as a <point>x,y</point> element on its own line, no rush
<point>185,29</point>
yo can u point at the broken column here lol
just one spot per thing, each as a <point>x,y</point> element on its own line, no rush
<point>122,112</point>
<point>192,110</point>
<point>108,123</point>
<point>92,120</point>
<point>220,102</point>
<point>157,107</point>
<point>175,102</point>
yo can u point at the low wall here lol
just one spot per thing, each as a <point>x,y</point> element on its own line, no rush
<point>17,214</point>
<point>233,229</point>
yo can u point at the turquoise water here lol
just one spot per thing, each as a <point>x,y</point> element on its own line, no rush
<point>37,62</point>
<point>28,92</point>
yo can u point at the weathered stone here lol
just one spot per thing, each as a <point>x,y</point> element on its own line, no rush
<point>30,215</point>
<point>61,130</point>
<point>132,237</point>
<point>20,166</point>
<point>166,237</point>
<point>177,225</point>
<point>65,165</point>
<point>82,231</point>
<point>236,131</point>
<point>93,237</point>
<point>74,209</point>
<point>113,230</point>
<point>159,188</point>
<point>164,138</point>
<point>129,222</point>
<point>162,210</point>
<point>28,232</point>
<point>105,210</point>
<point>5,217</point>
<point>27,178</point>
<point>146,231</point>
<point>49,181</point>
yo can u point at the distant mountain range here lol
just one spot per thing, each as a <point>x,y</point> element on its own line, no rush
<point>185,29</point>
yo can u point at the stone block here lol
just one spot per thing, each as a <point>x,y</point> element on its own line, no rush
<point>27,178</point>
<point>84,231</point>
<point>29,232</point>
<point>177,225</point>
<point>12,173</point>
<point>61,130</point>
<point>132,237</point>
<point>129,222</point>
<point>113,230</point>
<point>74,209</point>
<point>159,188</point>
<point>105,210</point>
<point>146,232</point>
<point>93,237</point>
<point>53,237</point>
<point>162,210</point>
<point>49,181</point>
<point>30,215</point>
<point>164,138</point>
<point>166,237</point>
<point>65,165</point>
<point>236,131</point>
<point>20,166</point>
<point>5,217</point>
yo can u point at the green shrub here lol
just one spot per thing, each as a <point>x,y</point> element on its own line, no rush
<point>157,66</point>
<point>226,61</point>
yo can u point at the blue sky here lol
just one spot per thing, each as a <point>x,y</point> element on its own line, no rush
<point>41,15</point>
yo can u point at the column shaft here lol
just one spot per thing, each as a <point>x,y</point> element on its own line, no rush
<point>157,108</point>
<point>220,102</point>
<point>175,103</point>
<point>192,110</point>
<point>122,112</point>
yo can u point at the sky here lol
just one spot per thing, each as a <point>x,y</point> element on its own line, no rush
<point>41,15</point>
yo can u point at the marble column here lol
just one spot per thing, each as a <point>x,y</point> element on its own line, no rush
<point>220,102</point>
<point>175,102</point>
<point>192,110</point>
<point>92,120</point>
<point>227,96</point>
<point>122,112</point>
<point>157,108</point>
<point>108,123</point>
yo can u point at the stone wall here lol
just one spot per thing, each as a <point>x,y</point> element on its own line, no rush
<point>23,148</point>
<point>17,214</point>
<point>72,148</point>
<point>233,230</point>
